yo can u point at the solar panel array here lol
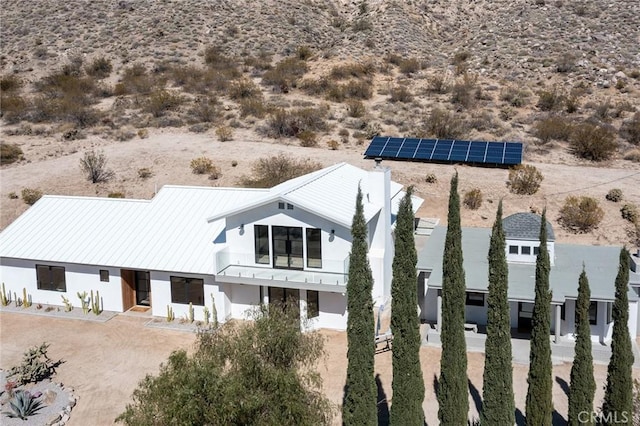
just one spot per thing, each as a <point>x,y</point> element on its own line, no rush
<point>499,153</point>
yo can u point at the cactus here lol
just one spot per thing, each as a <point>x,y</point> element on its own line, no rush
<point>170,315</point>
<point>95,303</point>
<point>3,297</point>
<point>207,315</point>
<point>68,307</point>
<point>26,298</point>
<point>214,312</point>
<point>15,297</point>
<point>84,301</point>
<point>190,312</point>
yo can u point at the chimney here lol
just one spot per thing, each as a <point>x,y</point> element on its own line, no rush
<point>379,193</point>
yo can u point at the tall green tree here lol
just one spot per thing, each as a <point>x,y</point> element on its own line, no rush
<point>256,373</point>
<point>359,404</point>
<point>618,395</point>
<point>539,405</point>
<point>583,384</point>
<point>453,387</point>
<point>408,385</point>
<point>498,405</point>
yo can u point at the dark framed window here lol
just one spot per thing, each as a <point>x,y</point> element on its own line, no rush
<point>526,250</point>
<point>593,313</point>
<point>261,235</point>
<point>475,299</point>
<point>51,278</point>
<point>536,251</point>
<point>313,306</point>
<point>513,249</point>
<point>104,275</point>
<point>281,206</point>
<point>289,206</point>
<point>562,311</point>
<point>314,248</point>
<point>187,290</point>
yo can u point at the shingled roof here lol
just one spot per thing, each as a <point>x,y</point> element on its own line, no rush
<point>525,226</point>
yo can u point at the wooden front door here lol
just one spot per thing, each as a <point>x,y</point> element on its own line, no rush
<point>128,278</point>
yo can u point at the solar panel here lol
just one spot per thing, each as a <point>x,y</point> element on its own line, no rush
<point>445,150</point>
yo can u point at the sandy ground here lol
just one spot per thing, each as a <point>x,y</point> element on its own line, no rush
<point>104,362</point>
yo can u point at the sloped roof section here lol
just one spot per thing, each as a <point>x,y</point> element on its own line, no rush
<point>525,226</point>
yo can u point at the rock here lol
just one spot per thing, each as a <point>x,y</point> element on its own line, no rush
<point>72,402</point>
<point>621,75</point>
<point>50,396</point>
<point>54,418</point>
<point>65,418</point>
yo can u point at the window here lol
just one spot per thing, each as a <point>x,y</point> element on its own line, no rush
<point>526,250</point>
<point>261,235</point>
<point>593,313</point>
<point>281,206</point>
<point>289,206</point>
<point>475,299</point>
<point>513,249</point>
<point>562,311</point>
<point>51,278</point>
<point>314,248</point>
<point>313,307</point>
<point>104,275</point>
<point>536,251</point>
<point>187,290</point>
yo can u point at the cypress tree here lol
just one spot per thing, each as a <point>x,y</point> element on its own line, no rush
<point>583,385</point>
<point>453,387</point>
<point>498,406</point>
<point>408,385</point>
<point>359,405</point>
<point>619,391</point>
<point>539,405</point>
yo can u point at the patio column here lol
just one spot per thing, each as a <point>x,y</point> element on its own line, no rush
<point>265,295</point>
<point>439,313</point>
<point>303,307</point>
<point>558,322</point>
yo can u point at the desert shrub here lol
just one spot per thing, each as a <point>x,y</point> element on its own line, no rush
<point>344,135</point>
<point>204,109</point>
<point>143,133</point>
<point>614,195</point>
<point>633,155</point>
<point>439,83</point>
<point>524,179</point>
<point>514,96</point>
<point>565,63</point>
<point>136,79</point>
<point>215,173</point>
<point>462,92</point>
<point>410,65</point>
<point>550,100</point>
<point>630,129</point>
<point>358,89</point>
<point>333,144</point>
<point>443,124</point>
<point>285,74</point>
<point>215,59</point>
<point>31,195</point>
<point>123,135</point>
<point>234,163</point>
<point>9,153</point>
<point>400,93</point>
<point>190,77</point>
<point>431,178</point>
<point>553,127</point>
<point>13,196</point>
<point>94,165</point>
<point>630,212</point>
<point>252,106</point>
<point>244,89</point>
<point>602,110</point>
<point>593,142</point>
<point>268,172</point>
<point>572,102</point>
<point>99,67</point>
<point>357,70</point>
<point>307,138</point>
<point>9,83</point>
<point>115,194</point>
<point>35,366</point>
<point>361,24</point>
<point>283,123</point>
<point>316,86</point>
<point>201,165</point>
<point>304,52</point>
<point>224,133</point>
<point>473,199</point>
<point>13,108</point>
<point>355,108</point>
<point>581,214</point>
<point>162,101</point>
<point>145,173</point>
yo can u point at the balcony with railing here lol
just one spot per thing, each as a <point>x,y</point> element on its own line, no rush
<point>234,267</point>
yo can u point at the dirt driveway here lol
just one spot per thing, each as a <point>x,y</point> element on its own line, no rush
<point>105,361</point>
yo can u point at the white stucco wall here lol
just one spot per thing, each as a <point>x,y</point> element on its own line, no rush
<point>476,314</point>
<point>243,298</point>
<point>17,274</point>
<point>333,311</point>
<point>531,258</point>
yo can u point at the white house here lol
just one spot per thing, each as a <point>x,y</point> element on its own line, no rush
<point>522,244</point>
<point>188,244</point>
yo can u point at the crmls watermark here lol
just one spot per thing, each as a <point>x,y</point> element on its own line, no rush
<point>614,417</point>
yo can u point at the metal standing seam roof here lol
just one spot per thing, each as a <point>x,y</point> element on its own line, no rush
<point>525,226</point>
<point>600,262</point>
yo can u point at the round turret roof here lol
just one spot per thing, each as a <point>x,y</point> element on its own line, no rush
<point>525,226</point>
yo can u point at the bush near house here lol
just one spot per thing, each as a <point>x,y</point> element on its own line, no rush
<point>201,165</point>
<point>581,214</point>
<point>614,195</point>
<point>630,212</point>
<point>9,153</point>
<point>30,195</point>
<point>524,179</point>
<point>268,172</point>
<point>473,199</point>
<point>94,166</point>
<point>593,142</point>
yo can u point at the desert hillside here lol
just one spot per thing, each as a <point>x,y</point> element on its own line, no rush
<point>154,84</point>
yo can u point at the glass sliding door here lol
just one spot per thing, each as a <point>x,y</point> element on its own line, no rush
<point>287,247</point>
<point>143,288</point>
<point>287,298</point>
